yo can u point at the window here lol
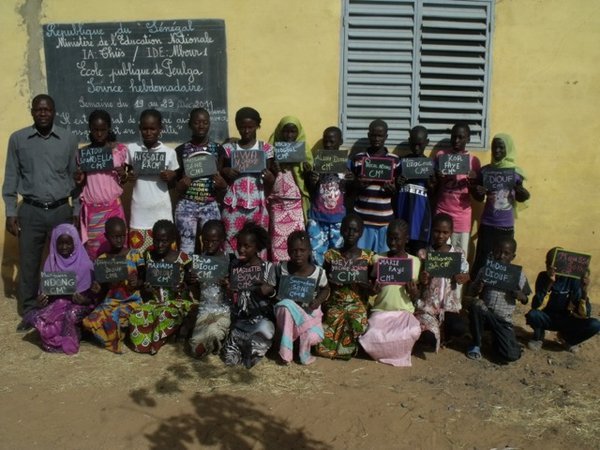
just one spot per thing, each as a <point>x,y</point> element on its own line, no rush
<point>416,62</point>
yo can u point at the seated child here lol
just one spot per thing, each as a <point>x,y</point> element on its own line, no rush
<point>561,304</point>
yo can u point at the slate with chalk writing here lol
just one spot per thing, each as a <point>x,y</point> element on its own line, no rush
<point>248,161</point>
<point>504,277</point>
<point>443,264</point>
<point>210,268</point>
<point>58,283</point>
<point>290,152</point>
<point>149,163</point>
<point>414,168</point>
<point>394,270</point>
<point>298,289</point>
<point>162,274</point>
<point>454,164</point>
<point>245,277</point>
<point>331,161</point>
<point>571,264</point>
<point>499,179</point>
<point>377,169</point>
<point>348,271</point>
<point>110,270</point>
<point>96,159</point>
<point>200,166</point>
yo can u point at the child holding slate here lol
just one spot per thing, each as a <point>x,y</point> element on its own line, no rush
<point>501,197</point>
<point>166,300</point>
<point>108,323</point>
<point>252,284</point>
<point>300,319</point>
<point>199,194</point>
<point>495,307</point>
<point>393,329</point>
<point>154,166</point>
<point>101,187</point>
<point>439,306</point>
<point>345,312</point>
<point>245,200</point>
<point>58,317</point>
<point>289,197</point>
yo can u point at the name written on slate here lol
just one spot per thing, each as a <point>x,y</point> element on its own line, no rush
<point>200,166</point>
<point>504,277</point>
<point>149,163</point>
<point>110,270</point>
<point>377,169</point>
<point>162,274</point>
<point>245,277</point>
<point>96,159</point>
<point>571,264</point>
<point>298,289</point>
<point>210,268</point>
<point>58,283</point>
<point>331,161</point>
<point>417,168</point>
<point>394,270</point>
<point>499,179</point>
<point>290,152</point>
<point>443,264</point>
<point>248,161</point>
<point>347,271</point>
<point>454,164</point>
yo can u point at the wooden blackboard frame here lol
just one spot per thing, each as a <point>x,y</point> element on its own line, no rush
<point>571,264</point>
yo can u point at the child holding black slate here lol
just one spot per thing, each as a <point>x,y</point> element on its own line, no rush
<point>495,307</point>
<point>300,318</point>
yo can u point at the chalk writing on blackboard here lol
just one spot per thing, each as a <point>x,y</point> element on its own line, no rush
<point>96,159</point>
<point>394,270</point>
<point>347,271</point>
<point>454,164</point>
<point>149,163</point>
<point>110,270</point>
<point>210,268</point>
<point>495,180</point>
<point>289,152</point>
<point>443,264</point>
<point>248,161</point>
<point>377,169</point>
<point>245,277</point>
<point>298,289</point>
<point>571,264</point>
<point>162,274</point>
<point>417,167</point>
<point>200,166</point>
<point>58,283</point>
<point>504,277</point>
<point>331,161</point>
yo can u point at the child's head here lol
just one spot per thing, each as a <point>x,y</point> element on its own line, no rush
<point>505,249</point>
<point>332,138</point>
<point>65,246</point>
<point>199,123</point>
<point>150,126</point>
<point>212,236</point>
<point>502,147</point>
<point>99,124</point>
<point>115,231</point>
<point>460,136</point>
<point>164,234</point>
<point>351,229</point>
<point>442,227</point>
<point>251,240</point>
<point>299,248</point>
<point>418,140</point>
<point>397,235</point>
<point>247,121</point>
<point>550,257</point>
<point>378,130</point>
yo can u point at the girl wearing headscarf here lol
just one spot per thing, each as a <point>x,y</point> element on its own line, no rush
<point>501,199</point>
<point>59,317</point>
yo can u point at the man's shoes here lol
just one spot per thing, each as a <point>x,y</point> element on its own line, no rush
<point>24,327</point>
<point>534,345</point>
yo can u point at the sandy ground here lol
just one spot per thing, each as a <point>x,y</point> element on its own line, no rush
<point>93,400</point>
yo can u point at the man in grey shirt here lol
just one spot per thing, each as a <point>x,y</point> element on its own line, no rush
<point>40,165</point>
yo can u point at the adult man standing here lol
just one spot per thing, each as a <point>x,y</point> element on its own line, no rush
<point>40,165</point>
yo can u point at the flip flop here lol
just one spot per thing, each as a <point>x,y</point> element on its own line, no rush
<point>474,352</point>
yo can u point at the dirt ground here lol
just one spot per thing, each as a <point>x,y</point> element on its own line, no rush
<point>95,399</point>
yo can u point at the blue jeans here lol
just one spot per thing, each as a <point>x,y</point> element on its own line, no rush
<point>573,329</point>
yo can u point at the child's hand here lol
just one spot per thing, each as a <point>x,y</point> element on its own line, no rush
<point>96,288</point>
<point>461,278</point>
<point>191,277</point>
<point>224,283</point>
<point>79,298</point>
<point>219,182</point>
<point>184,183</point>
<point>349,177</point>
<point>401,181</point>
<point>265,289</point>
<point>413,290</point>
<point>132,280</point>
<point>314,177</point>
<point>376,288</point>
<point>230,174</point>
<point>42,299</point>
<point>551,272</point>
<point>167,175</point>
<point>478,287</point>
<point>275,168</point>
<point>132,176</point>
<point>268,177</point>
<point>389,187</point>
<point>480,190</point>
<point>79,176</point>
<point>424,278</point>
<point>422,254</point>
<point>306,167</point>
<point>121,173</point>
<point>519,295</point>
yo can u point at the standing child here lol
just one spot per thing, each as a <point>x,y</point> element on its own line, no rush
<point>108,323</point>
<point>252,329</point>
<point>495,308</point>
<point>393,329</point>
<point>198,203</point>
<point>101,193</point>
<point>328,204</point>
<point>58,317</point>
<point>294,321</point>
<point>151,200</point>
<point>440,304</point>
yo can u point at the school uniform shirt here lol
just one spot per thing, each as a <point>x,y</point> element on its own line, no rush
<point>394,297</point>
<point>151,200</point>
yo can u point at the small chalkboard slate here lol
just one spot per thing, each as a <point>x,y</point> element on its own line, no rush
<point>110,270</point>
<point>96,159</point>
<point>504,277</point>
<point>571,264</point>
<point>394,270</point>
<point>245,277</point>
<point>58,283</point>
<point>331,161</point>
<point>200,166</point>
<point>290,152</point>
<point>162,274</point>
<point>413,168</point>
<point>209,268</point>
<point>298,289</point>
<point>495,180</point>
<point>443,264</point>
<point>454,164</point>
<point>377,169</point>
<point>149,163</point>
<point>248,161</point>
<point>348,271</point>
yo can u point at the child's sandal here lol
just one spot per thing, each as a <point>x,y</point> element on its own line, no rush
<point>474,352</point>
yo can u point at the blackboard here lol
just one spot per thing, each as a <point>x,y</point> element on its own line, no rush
<point>504,277</point>
<point>149,163</point>
<point>96,159</point>
<point>126,67</point>
<point>289,152</point>
<point>248,161</point>
<point>495,180</point>
<point>245,277</point>
<point>331,161</point>
<point>162,274</point>
<point>417,168</point>
<point>110,270</point>
<point>209,268</point>
<point>58,283</point>
<point>377,169</point>
<point>348,271</point>
<point>394,270</point>
<point>200,166</point>
<point>298,289</point>
<point>571,264</point>
<point>454,164</point>
<point>443,264</point>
